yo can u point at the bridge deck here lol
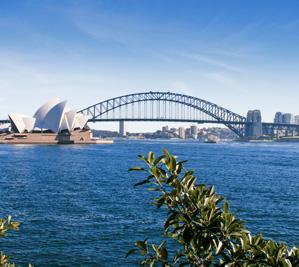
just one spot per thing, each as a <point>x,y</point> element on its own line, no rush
<point>167,120</point>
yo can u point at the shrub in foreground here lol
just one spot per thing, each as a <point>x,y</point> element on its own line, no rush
<point>6,225</point>
<point>201,223</point>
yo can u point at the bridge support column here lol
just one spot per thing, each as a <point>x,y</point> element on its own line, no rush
<point>122,128</point>
<point>254,128</point>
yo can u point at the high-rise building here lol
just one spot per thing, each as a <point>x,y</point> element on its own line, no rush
<point>173,130</point>
<point>297,119</point>
<point>182,132</point>
<point>288,118</point>
<point>165,129</point>
<point>194,130</point>
<point>278,117</point>
<point>188,132</point>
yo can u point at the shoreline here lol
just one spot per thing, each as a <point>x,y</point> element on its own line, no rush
<point>82,137</point>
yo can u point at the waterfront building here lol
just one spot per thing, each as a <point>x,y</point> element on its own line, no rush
<point>278,117</point>
<point>182,132</point>
<point>53,123</point>
<point>174,130</point>
<point>288,118</point>
<point>54,116</point>
<point>194,130</point>
<point>165,129</point>
<point>21,123</point>
<point>188,133</point>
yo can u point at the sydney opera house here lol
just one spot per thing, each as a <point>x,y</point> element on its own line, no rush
<point>53,123</point>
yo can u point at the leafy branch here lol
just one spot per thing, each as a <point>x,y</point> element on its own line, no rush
<point>6,224</point>
<point>201,223</point>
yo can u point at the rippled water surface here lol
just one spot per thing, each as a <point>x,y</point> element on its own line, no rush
<point>78,206</point>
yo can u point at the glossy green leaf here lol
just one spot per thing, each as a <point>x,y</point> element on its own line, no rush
<point>132,251</point>
<point>136,169</point>
<point>205,230</point>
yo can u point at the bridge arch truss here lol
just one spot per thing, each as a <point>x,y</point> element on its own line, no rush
<point>164,106</point>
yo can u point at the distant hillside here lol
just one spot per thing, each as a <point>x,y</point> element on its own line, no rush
<point>104,134</point>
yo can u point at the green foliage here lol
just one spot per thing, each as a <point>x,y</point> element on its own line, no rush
<point>5,225</point>
<point>200,221</point>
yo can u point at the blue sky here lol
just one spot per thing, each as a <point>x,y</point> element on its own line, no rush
<point>239,54</point>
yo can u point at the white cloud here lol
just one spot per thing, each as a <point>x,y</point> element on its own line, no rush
<point>128,30</point>
<point>179,86</point>
<point>226,81</point>
<point>221,78</point>
<point>214,62</point>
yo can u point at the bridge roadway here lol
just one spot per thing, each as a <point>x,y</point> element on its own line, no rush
<point>166,120</point>
<point>264,124</point>
<point>276,125</point>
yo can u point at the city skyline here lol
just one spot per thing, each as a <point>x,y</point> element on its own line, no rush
<point>239,55</point>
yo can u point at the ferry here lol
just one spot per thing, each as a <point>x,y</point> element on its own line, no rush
<point>212,139</point>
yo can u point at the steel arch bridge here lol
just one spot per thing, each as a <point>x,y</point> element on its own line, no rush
<point>164,106</point>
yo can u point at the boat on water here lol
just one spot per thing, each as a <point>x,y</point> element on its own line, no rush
<point>210,142</point>
<point>212,139</point>
<point>287,139</point>
<point>260,141</point>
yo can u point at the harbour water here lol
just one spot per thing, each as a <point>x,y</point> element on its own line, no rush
<point>78,206</point>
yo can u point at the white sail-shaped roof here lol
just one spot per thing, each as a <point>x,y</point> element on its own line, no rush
<point>29,123</point>
<point>80,121</point>
<point>21,123</point>
<point>70,116</point>
<point>53,119</point>
<point>17,122</point>
<point>64,124</point>
<point>76,124</point>
<point>53,115</point>
<point>42,112</point>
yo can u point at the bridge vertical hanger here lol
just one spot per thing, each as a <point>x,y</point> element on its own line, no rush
<point>204,111</point>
